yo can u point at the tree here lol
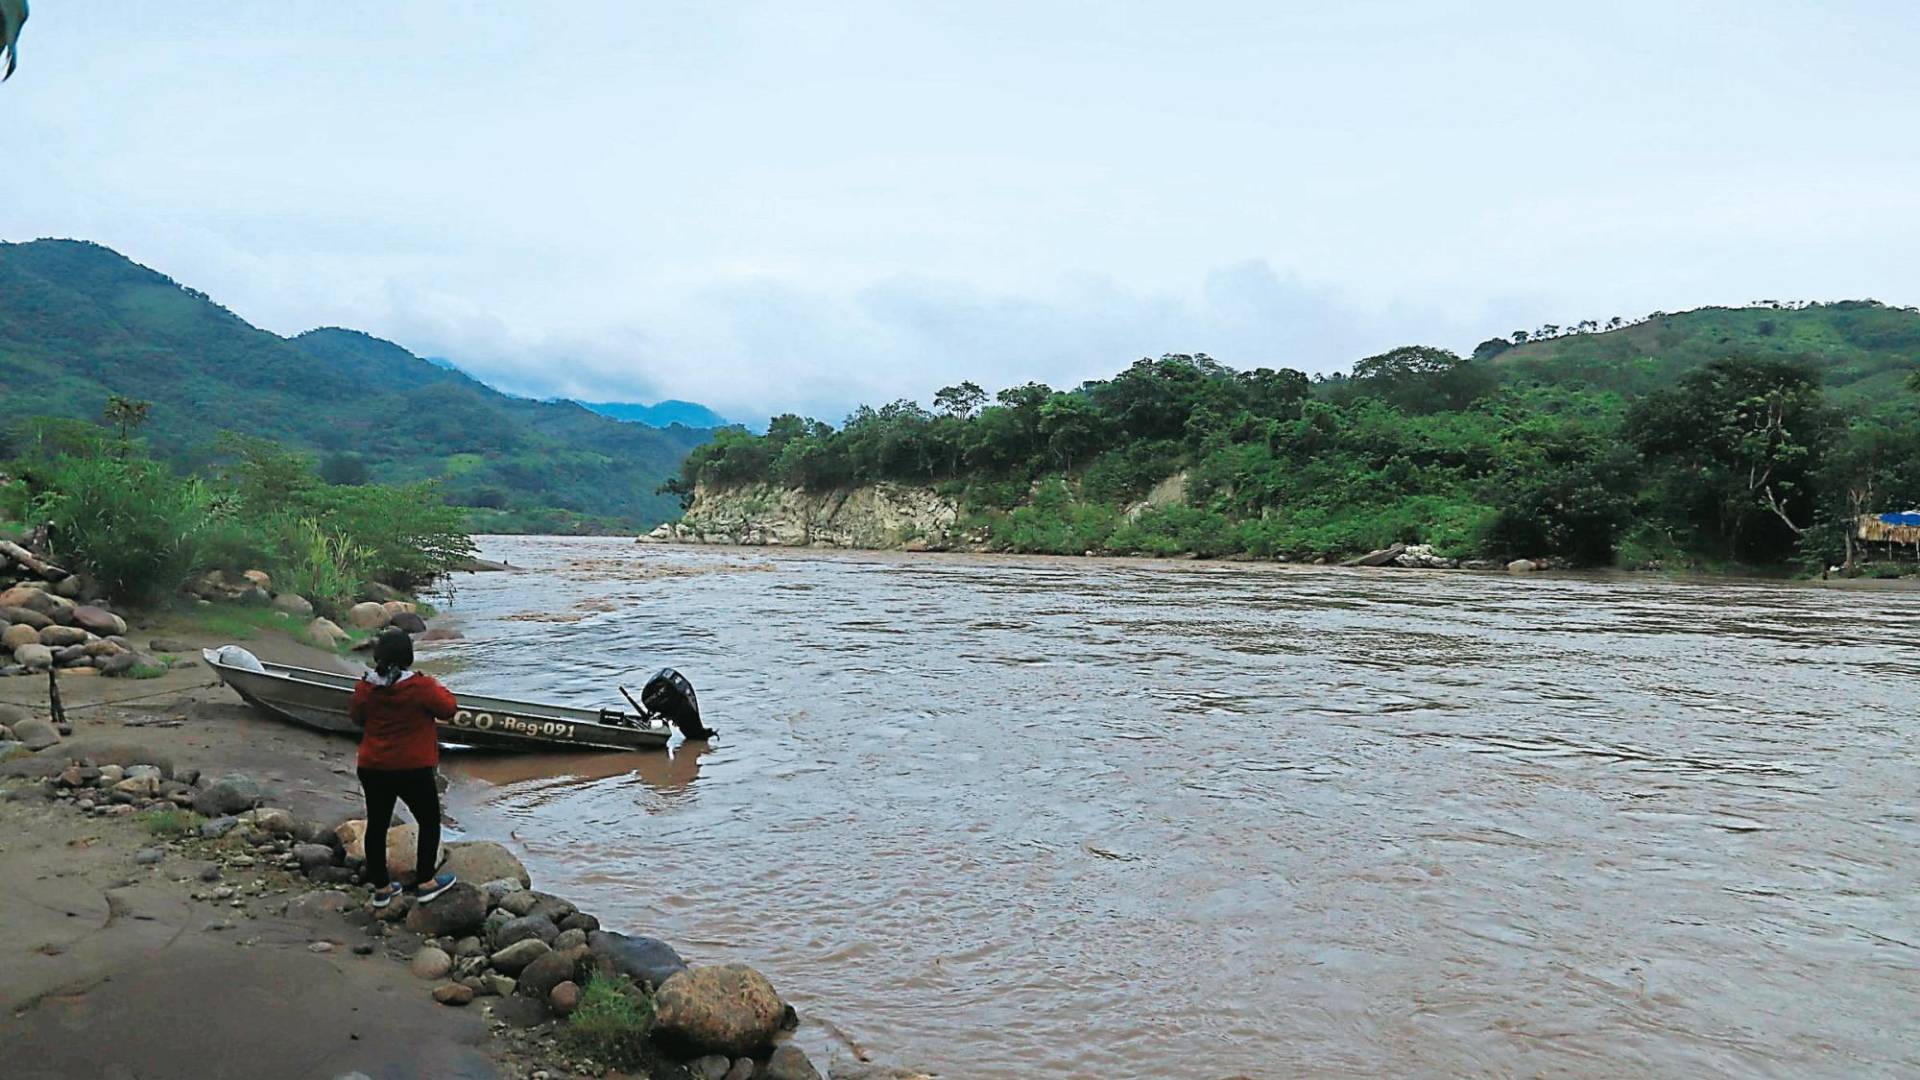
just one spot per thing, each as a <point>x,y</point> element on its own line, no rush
<point>1071,426</point>
<point>1521,337</point>
<point>351,470</point>
<point>960,402</point>
<point>1491,348</point>
<point>126,413</point>
<point>1739,442</point>
<point>1423,379</point>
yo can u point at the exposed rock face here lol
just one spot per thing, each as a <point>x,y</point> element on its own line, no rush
<point>723,1009</point>
<point>877,516</point>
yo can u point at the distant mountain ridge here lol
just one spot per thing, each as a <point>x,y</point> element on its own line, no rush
<point>664,414</point>
<point>79,321</point>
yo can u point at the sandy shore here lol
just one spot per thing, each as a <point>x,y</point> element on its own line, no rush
<point>114,970</point>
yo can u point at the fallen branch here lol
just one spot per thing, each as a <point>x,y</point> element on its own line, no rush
<point>34,563</point>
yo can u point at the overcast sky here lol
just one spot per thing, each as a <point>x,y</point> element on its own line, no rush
<point>767,207</point>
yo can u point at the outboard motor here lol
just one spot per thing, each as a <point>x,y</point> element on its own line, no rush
<point>668,694</point>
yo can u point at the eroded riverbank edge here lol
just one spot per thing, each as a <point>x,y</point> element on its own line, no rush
<point>118,931</point>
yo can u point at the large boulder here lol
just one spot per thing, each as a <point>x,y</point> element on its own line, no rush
<point>527,926</point>
<point>515,957</point>
<point>538,978</point>
<point>231,794</point>
<point>36,732</point>
<point>379,592</point>
<point>722,1009</point>
<point>122,663</point>
<point>35,657</point>
<point>789,1062</point>
<point>20,634</point>
<point>24,616</point>
<point>408,621</point>
<point>259,579</point>
<point>484,860</point>
<point>455,913</point>
<point>367,616</point>
<point>430,962</point>
<point>399,607</point>
<point>98,620</point>
<point>1522,566</point>
<point>647,961</point>
<point>403,846</point>
<point>293,604</point>
<point>325,634</point>
<point>530,902</point>
<point>62,637</point>
<point>31,597</point>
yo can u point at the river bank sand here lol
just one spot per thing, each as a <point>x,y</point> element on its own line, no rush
<point>115,971</point>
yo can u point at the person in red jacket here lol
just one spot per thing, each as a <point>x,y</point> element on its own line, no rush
<point>399,750</point>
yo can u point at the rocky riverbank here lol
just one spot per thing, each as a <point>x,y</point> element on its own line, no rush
<point>145,876</point>
<point>882,516</point>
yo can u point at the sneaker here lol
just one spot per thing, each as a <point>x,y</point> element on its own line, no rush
<point>431,889</point>
<point>384,895</point>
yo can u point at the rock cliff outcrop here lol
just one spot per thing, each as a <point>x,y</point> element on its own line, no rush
<point>878,516</point>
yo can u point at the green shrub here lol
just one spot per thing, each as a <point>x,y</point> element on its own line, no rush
<point>611,1022</point>
<point>169,821</point>
<point>134,524</point>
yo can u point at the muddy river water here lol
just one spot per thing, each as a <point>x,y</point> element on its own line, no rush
<point>1005,817</point>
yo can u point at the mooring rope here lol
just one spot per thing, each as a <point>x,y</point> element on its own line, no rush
<point>143,697</point>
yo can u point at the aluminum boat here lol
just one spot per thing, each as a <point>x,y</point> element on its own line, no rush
<point>318,699</point>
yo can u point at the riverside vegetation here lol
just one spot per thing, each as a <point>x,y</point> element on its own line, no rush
<point>132,529</point>
<point>1719,438</point>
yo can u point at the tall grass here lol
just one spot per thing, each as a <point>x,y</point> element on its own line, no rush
<point>611,1022</point>
<point>134,525</point>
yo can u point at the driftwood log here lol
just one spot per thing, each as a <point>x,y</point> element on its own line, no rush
<point>30,562</point>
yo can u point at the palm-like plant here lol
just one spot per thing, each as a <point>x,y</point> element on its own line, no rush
<point>13,15</point>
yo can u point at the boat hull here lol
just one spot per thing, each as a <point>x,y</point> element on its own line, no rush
<point>319,700</point>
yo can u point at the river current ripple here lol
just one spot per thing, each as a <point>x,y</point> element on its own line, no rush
<point>1009,817</point>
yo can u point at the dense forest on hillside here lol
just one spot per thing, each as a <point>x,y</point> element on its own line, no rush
<point>1721,436</point>
<point>79,322</point>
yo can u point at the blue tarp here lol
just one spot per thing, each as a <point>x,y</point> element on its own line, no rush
<point>1911,517</point>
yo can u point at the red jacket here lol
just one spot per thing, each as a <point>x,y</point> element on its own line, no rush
<point>398,720</point>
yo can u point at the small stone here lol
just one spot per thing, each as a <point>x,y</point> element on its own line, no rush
<point>273,821</point>
<point>709,1067</point>
<point>510,960</point>
<point>365,948</point>
<point>528,926</point>
<point>431,963</point>
<point>501,985</point>
<point>563,999</point>
<point>211,873</point>
<point>453,994</point>
<point>320,947</point>
<point>742,1069</point>
<point>149,856</point>
<point>311,857</point>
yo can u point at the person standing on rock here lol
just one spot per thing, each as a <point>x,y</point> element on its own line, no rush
<point>396,708</point>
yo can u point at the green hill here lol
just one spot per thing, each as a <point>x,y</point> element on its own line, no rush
<point>1863,350</point>
<point>78,322</point>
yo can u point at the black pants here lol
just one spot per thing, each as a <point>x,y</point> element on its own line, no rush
<point>417,789</point>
